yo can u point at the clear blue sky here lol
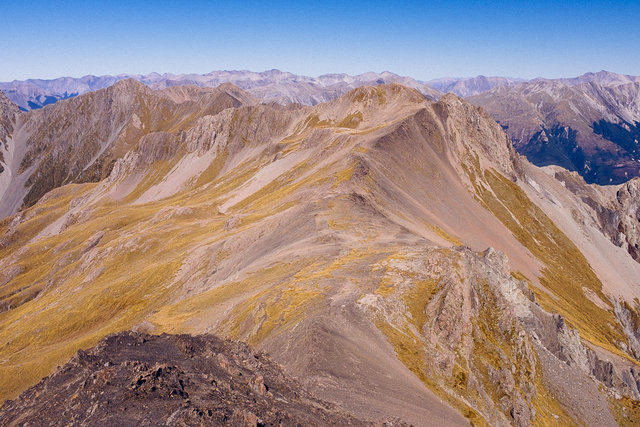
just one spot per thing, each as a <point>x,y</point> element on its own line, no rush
<point>47,39</point>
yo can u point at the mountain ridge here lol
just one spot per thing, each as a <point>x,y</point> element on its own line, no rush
<point>380,220</point>
<point>577,123</point>
<point>37,164</point>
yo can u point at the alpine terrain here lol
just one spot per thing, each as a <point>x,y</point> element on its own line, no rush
<point>388,258</point>
<point>271,85</point>
<point>589,124</point>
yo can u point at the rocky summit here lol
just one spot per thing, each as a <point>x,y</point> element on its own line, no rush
<point>138,379</point>
<point>393,253</point>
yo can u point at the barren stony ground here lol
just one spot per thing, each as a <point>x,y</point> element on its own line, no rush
<point>140,379</point>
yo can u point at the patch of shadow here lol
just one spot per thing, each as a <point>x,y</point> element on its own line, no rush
<point>559,145</point>
<point>556,146</point>
<point>624,134</point>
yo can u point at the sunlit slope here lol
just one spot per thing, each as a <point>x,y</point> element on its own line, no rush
<point>80,139</point>
<point>347,239</point>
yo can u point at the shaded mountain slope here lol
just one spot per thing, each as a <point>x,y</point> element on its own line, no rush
<point>588,127</point>
<point>8,113</point>
<point>394,254</point>
<point>140,379</point>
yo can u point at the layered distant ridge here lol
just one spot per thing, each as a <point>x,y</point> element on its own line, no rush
<point>272,85</point>
<point>468,86</point>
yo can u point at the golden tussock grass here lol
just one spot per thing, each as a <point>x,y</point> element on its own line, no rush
<point>566,270</point>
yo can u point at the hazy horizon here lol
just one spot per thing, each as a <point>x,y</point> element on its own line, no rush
<point>311,76</point>
<point>424,40</point>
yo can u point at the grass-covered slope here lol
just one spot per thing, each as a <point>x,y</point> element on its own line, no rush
<point>348,239</point>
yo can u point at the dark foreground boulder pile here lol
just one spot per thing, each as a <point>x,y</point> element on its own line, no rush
<point>138,379</point>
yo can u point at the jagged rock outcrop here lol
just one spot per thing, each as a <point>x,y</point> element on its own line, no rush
<point>479,331</point>
<point>628,208</point>
<point>138,379</point>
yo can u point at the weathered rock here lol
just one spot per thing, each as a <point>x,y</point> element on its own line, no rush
<point>628,207</point>
<point>138,379</point>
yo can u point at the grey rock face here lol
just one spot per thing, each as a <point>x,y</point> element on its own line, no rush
<point>8,114</point>
<point>628,198</point>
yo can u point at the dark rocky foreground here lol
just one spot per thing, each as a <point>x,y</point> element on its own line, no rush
<point>138,379</point>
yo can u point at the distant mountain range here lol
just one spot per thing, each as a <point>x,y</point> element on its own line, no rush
<point>278,86</point>
<point>467,86</point>
<point>272,85</point>
<point>589,124</point>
